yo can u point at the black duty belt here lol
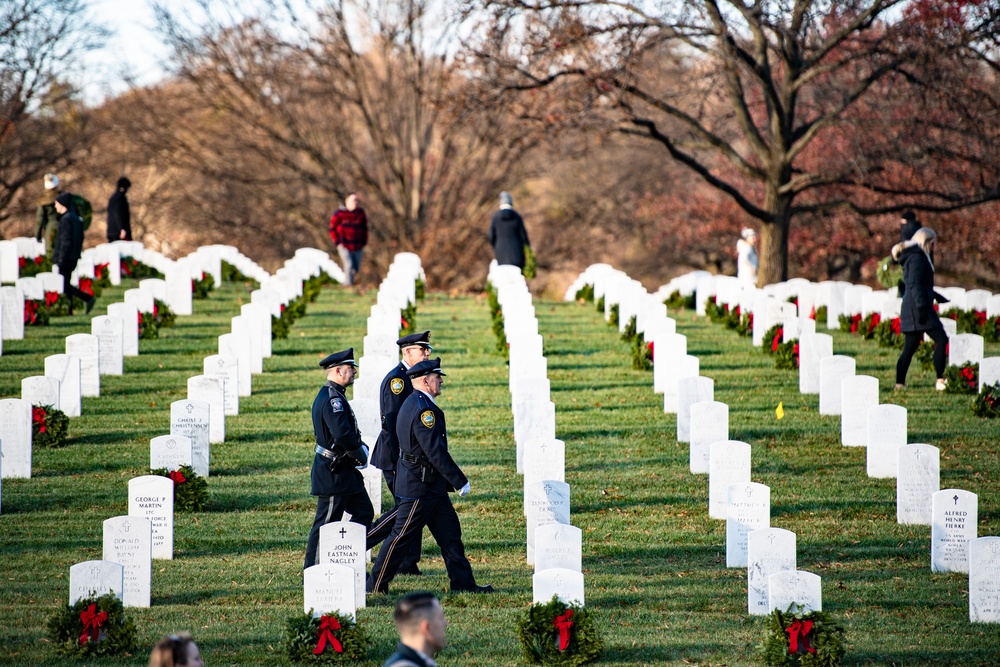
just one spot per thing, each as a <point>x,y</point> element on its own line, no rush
<point>326,453</point>
<point>416,460</point>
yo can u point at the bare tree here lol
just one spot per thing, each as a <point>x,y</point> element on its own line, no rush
<point>788,108</point>
<point>345,96</point>
<point>41,122</point>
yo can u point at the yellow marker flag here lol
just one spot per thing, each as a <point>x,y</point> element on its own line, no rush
<point>780,411</point>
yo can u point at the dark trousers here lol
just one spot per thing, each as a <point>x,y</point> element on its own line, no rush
<point>911,342</point>
<point>412,514</point>
<point>383,526</point>
<point>332,508</point>
<point>70,290</point>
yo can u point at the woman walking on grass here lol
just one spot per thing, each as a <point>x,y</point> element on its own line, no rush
<point>917,316</point>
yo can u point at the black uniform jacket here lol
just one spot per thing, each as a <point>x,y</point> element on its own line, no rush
<point>918,300</point>
<point>422,434</point>
<point>395,388</point>
<point>336,429</point>
<point>405,655</point>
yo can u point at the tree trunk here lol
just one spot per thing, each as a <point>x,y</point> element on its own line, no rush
<point>774,249</point>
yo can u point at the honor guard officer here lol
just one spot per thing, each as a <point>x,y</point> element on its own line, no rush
<point>395,388</point>
<point>425,473</point>
<point>336,480</point>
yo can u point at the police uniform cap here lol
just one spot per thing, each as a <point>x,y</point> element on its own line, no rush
<point>338,359</point>
<point>425,368</point>
<point>421,339</point>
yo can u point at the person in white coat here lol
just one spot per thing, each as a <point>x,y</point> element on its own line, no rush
<point>746,258</point>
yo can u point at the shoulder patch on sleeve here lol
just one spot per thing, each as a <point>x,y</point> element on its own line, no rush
<point>427,418</point>
<point>337,404</point>
<point>396,386</point>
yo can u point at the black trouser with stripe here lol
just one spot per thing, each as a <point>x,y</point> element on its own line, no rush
<point>383,526</point>
<point>412,514</point>
<point>332,508</point>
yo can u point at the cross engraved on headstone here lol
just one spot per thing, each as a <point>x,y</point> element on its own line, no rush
<point>189,408</point>
<point>794,581</point>
<point>559,580</point>
<point>126,526</point>
<point>956,500</point>
<point>330,577</point>
<point>916,455</point>
<point>543,447</point>
<point>95,572</point>
<point>548,488</point>
<point>748,491</point>
<point>343,531</point>
<point>995,548</point>
<point>221,363</point>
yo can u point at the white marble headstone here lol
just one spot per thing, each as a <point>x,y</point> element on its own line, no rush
<point>534,421</point>
<point>709,423</point>
<point>327,588</point>
<point>886,434</point>
<point>565,584</point>
<point>209,389</point>
<point>94,578</point>
<point>954,522</point>
<point>87,349</point>
<point>249,327</point>
<point>191,418</point>
<point>813,348</point>
<point>226,368</point>
<point>832,371</point>
<point>729,463</point>
<point>918,478</point>
<point>15,438</point>
<point>547,501</point>
<point>66,369</point>
<point>128,541</point>
<point>170,452</point>
<point>110,333</point>
<point>984,580</point>
<point>12,305</point>
<point>769,551</point>
<point>343,542</point>
<point>989,372</point>
<point>129,315</point>
<point>965,348</point>
<point>558,546</point>
<point>40,390</point>
<point>686,366</point>
<point>152,497</point>
<point>691,390</point>
<point>859,393</point>
<point>748,508</point>
<point>238,345</point>
<point>795,587</point>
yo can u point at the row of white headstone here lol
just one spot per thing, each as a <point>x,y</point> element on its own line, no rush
<point>131,542</point>
<point>554,546</point>
<point>336,584</point>
<point>882,429</point>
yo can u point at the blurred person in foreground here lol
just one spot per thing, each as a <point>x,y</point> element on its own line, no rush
<point>174,651</point>
<point>421,625</point>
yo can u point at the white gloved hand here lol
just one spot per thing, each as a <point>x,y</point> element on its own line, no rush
<point>367,458</point>
<point>464,491</point>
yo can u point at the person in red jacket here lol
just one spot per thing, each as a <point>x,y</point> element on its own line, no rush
<point>349,233</point>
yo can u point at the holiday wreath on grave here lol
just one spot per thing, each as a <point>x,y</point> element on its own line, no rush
<point>530,268</point>
<point>326,640</point>
<point>496,314</point>
<point>190,488</point>
<point>809,639</point>
<point>32,266</point>
<point>102,274</point>
<point>133,268</point>
<point>94,626</point>
<point>986,404</point>
<point>962,379</point>
<point>49,426</point>
<point>556,633</point>
<point>36,313</point>
<point>202,286</point>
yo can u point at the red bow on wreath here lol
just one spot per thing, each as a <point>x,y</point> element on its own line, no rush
<point>796,631</point>
<point>327,624</point>
<point>51,298</point>
<point>178,477</point>
<point>38,416</point>
<point>563,623</point>
<point>87,286</point>
<point>92,621</point>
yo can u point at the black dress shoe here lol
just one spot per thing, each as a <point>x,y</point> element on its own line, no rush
<point>90,304</point>
<point>488,588</point>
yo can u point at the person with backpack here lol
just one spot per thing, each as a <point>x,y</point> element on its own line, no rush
<point>67,248</point>
<point>46,218</point>
<point>119,215</point>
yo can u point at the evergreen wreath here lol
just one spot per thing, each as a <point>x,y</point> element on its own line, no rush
<point>190,488</point>
<point>889,274</point>
<point>986,404</point>
<point>772,339</point>
<point>94,626</point>
<point>585,294</point>
<point>556,633</point>
<point>868,325</point>
<point>163,315</point>
<point>599,305</point>
<point>36,313</point>
<point>794,638</point>
<point>678,301</point>
<point>887,333</point>
<point>613,316</point>
<point>133,268</point>
<point>230,274</point>
<point>32,266</point>
<point>327,640</point>
<point>496,313</point>
<point>714,311</point>
<point>925,355</point>
<point>530,269</point>
<point>420,289</point>
<point>642,353</point>
<point>962,379</point>
<point>786,357</point>
<point>630,333</point>
<point>49,426</point>
<point>819,315</point>
<point>408,319</point>
<point>201,287</point>
<point>149,328</point>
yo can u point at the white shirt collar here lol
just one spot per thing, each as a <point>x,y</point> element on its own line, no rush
<point>426,394</point>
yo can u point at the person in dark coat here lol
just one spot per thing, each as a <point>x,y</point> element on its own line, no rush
<point>336,481</point>
<point>917,316</point>
<point>46,217</point>
<point>396,387</point>
<point>420,622</point>
<point>68,247</point>
<point>507,233</point>
<point>425,474</point>
<point>119,215</point>
<point>908,226</point>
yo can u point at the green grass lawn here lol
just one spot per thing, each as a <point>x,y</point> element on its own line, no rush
<point>654,562</point>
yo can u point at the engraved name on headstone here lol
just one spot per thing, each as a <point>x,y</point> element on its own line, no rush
<point>954,523</point>
<point>128,540</point>
<point>152,497</point>
<point>748,509</point>
<point>191,419</point>
<point>918,478</point>
<point>769,551</point>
